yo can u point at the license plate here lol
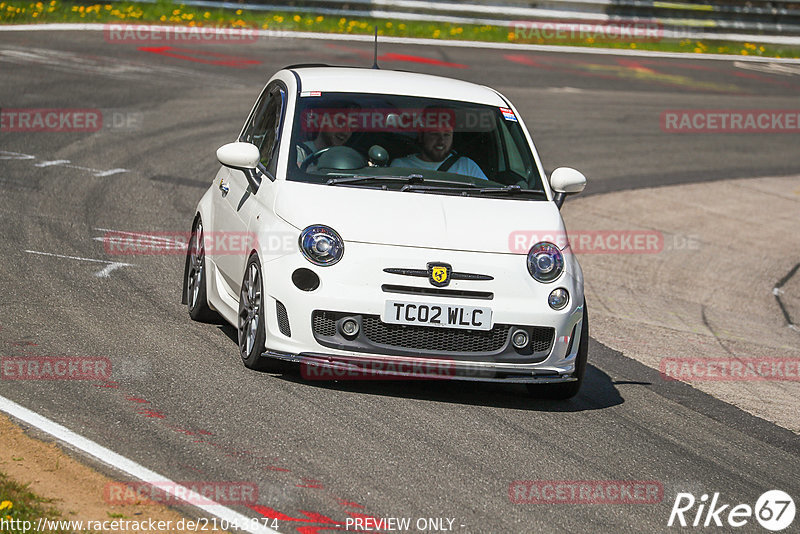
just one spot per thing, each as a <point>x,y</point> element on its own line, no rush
<point>442,315</point>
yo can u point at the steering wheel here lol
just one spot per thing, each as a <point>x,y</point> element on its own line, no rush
<point>311,158</point>
<point>339,157</point>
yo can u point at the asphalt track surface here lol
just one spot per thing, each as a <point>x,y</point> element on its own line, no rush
<point>182,404</point>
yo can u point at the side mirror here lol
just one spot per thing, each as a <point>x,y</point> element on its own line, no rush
<point>242,157</point>
<point>564,181</point>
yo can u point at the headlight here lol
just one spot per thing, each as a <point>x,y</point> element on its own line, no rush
<point>545,262</point>
<point>321,245</point>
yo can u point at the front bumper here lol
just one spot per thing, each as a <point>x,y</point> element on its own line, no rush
<point>358,287</point>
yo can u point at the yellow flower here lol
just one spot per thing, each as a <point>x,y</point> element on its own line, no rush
<point>744,52</point>
<point>633,45</point>
<point>698,50</point>
<point>297,18</point>
<point>6,504</point>
<point>436,34</point>
<point>320,18</point>
<point>278,18</point>
<point>238,11</point>
<point>511,36</point>
<point>402,26</point>
<point>388,24</point>
<point>206,15</point>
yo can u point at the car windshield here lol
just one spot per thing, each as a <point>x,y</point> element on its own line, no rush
<point>410,143</point>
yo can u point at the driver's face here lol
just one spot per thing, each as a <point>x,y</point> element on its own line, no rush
<point>436,145</point>
<point>337,138</point>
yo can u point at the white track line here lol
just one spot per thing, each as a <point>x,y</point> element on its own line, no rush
<point>430,42</point>
<point>127,466</point>
<point>105,272</point>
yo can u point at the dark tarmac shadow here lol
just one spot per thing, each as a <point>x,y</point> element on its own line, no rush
<point>597,392</point>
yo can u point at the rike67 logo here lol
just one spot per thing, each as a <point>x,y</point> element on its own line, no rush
<point>774,510</point>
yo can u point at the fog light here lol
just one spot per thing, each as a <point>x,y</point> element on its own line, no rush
<point>520,339</point>
<point>558,298</point>
<point>350,327</point>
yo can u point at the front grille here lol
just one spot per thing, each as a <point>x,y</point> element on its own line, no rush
<point>434,339</point>
<point>324,323</point>
<point>283,319</point>
<point>376,335</point>
<point>541,338</point>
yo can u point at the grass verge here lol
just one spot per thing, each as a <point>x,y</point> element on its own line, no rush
<point>167,12</point>
<point>19,505</point>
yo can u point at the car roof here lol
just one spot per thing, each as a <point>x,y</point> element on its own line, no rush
<point>393,82</point>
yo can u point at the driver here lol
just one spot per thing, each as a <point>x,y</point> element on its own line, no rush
<point>325,138</point>
<point>437,154</point>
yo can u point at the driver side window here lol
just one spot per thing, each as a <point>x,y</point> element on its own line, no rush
<point>264,126</point>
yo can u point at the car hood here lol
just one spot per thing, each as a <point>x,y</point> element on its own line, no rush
<point>416,219</point>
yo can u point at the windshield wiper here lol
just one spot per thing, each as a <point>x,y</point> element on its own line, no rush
<point>510,190</point>
<point>360,178</point>
<point>440,185</point>
<point>469,189</point>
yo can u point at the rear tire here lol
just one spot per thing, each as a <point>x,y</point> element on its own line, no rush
<point>197,302</point>
<point>567,390</point>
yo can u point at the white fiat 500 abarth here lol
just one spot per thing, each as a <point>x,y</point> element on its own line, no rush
<point>380,224</point>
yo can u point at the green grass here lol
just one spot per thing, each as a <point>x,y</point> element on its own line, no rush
<point>165,12</point>
<point>18,503</point>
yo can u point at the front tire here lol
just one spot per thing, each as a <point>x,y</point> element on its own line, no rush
<point>567,390</point>
<point>252,325</point>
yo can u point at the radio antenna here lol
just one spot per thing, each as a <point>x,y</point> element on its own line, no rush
<point>375,60</point>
